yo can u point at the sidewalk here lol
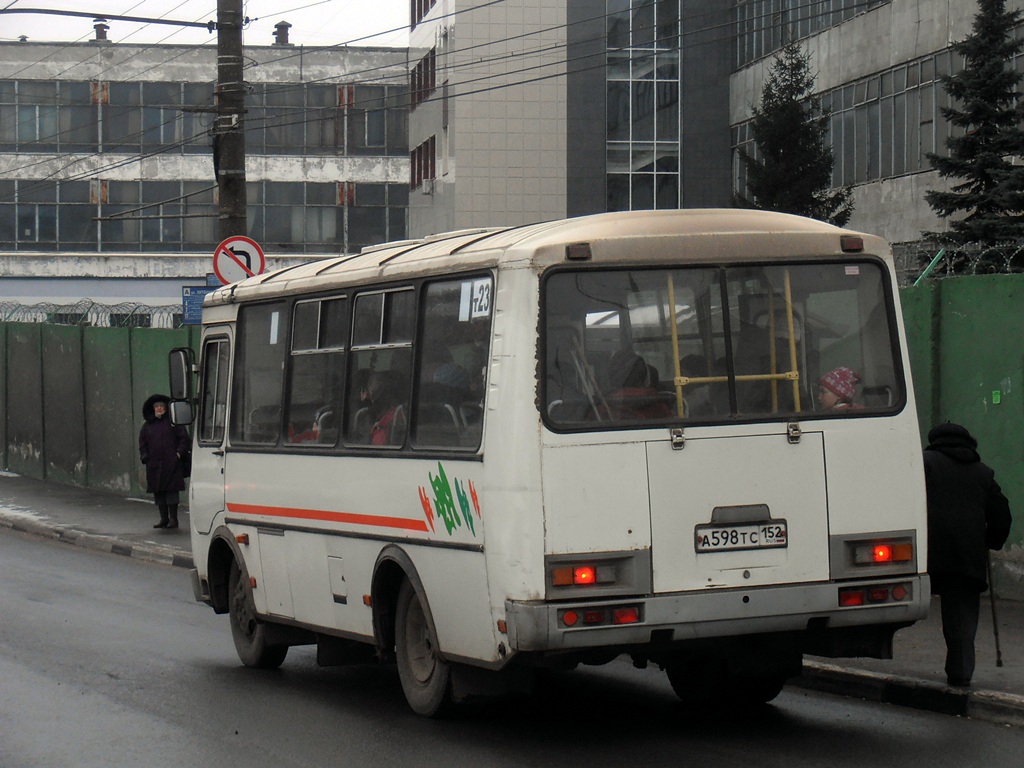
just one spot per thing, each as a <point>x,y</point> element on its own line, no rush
<point>914,677</point>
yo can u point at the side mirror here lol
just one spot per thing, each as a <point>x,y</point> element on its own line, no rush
<point>181,412</point>
<point>179,366</point>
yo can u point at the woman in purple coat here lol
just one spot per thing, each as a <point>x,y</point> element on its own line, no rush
<point>161,446</point>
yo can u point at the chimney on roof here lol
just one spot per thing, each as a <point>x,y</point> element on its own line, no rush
<point>101,27</point>
<point>22,38</point>
<point>281,33</point>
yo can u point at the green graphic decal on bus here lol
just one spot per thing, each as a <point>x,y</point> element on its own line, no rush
<point>444,502</point>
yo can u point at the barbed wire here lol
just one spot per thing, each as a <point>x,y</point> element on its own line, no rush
<point>87,312</point>
<point>927,260</point>
<point>915,262</point>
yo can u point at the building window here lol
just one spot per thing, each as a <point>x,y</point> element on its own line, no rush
<point>881,126</point>
<point>47,116</point>
<point>643,120</point>
<point>423,163</point>
<point>418,9</point>
<point>423,79</point>
<point>765,26</point>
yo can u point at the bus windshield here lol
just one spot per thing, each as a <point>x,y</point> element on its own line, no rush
<point>707,344</point>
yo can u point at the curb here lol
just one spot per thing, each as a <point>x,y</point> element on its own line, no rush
<point>1001,708</point>
<point>152,553</point>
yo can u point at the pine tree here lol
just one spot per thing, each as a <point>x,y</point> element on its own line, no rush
<point>792,170</point>
<point>989,110</point>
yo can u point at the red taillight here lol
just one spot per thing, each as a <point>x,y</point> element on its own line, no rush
<point>851,597</point>
<point>882,552</point>
<point>574,575</point>
<point>630,615</point>
<point>876,594</point>
<point>600,617</point>
<point>584,574</point>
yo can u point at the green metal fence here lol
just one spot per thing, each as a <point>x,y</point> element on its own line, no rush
<point>71,396</point>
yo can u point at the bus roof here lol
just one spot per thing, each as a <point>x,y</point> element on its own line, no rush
<point>686,235</point>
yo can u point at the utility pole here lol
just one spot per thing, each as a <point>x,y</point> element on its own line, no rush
<point>228,134</point>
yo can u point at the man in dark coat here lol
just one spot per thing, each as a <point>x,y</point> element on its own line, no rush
<point>161,446</point>
<point>967,516</point>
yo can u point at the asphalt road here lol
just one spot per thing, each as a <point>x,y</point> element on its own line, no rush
<point>107,661</point>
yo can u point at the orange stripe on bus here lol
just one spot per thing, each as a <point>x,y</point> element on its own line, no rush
<point>333,517</point>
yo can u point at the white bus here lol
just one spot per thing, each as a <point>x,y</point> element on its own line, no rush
<point>492,451</point>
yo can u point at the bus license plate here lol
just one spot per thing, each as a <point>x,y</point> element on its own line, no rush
<point>724,538</point>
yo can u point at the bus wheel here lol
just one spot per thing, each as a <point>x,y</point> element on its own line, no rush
<point>700,684</point>
<point>425,676</point>
<point>709,686</point>
<point>751,690</point>
<point>248,632</point>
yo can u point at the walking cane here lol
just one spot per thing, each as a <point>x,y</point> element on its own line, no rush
<point>995,623</point>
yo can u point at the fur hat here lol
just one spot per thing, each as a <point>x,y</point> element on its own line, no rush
<point>842,382</point>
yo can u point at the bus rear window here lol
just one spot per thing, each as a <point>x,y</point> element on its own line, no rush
<point>715,344</point>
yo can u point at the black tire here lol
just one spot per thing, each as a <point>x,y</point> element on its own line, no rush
<point>708,685</point>
<point>425,676</point>
<point>248,632</point>
<point>701,685</point>
<point>752,690</point>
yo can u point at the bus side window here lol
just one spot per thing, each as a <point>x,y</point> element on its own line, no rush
<point>456,332</point>
<point>316,371</point>
<point>380,368</point>
<point>260,358</point>
<point>216,359</point>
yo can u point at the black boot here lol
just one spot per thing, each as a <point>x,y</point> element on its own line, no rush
<point>163,516</point>
<point>173,511</point>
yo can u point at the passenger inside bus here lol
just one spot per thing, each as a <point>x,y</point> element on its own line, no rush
<point>633,388</point>
<point>837,389</point>
<point>384,402</point>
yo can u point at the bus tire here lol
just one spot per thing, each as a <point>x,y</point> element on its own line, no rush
<point>248,632</point>
<point>701,684</point>
<point>710,686</point>
<point>751,690</point>
<point>425,676</point>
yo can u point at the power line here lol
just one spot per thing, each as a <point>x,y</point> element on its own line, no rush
<point>484,78</point>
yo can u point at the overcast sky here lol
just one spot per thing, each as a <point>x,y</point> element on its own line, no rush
<point>314,22</point>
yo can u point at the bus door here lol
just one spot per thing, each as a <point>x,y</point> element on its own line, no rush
<point>207,484</point>
<point>740,511</point>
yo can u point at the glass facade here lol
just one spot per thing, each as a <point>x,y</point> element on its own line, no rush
<point>181,216</point>
<point>764,26</point>
<point>884,125</point>
<point>281,119</point>
<point>643,114</point>
<point>123,121</point>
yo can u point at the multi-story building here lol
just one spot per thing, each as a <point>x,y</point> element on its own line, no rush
<point>878,66</point>
<point>107,169</point>
<point>528,110</point>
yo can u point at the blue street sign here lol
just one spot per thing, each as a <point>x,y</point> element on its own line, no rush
<point>192,302</point>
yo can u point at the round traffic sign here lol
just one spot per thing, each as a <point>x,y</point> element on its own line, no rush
<point>237,258</point>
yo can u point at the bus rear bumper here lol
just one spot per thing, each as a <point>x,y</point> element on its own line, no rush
<point>535,626</point>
